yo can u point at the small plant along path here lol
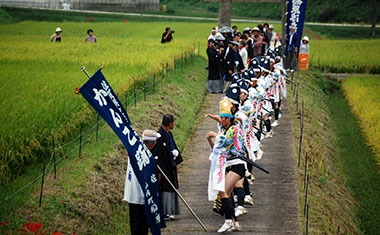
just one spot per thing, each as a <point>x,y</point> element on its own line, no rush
<point>275,209</point>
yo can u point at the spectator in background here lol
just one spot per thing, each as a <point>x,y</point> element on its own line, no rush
<point>265,27</point>
<point>215,60</point>
<point>263,43</point>
<point>257,41</point>
<point>243,53</point>
<point>292,50</point>
<point>91,37</point>
<point>211,37</point>
<point>266,34</point>
<point>234,30</point>
<point>237,37</point>
<point>233,63</point>
<point>272,37</point>
<point>212,34</point>
<point>304,48</point>
<point>249,42</point>
<point>56,37</point>
<point>167,36</point>
<point>168,157</point>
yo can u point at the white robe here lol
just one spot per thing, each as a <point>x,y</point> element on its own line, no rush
<point>217,157</point>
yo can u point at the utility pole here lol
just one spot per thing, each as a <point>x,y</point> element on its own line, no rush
<point>283,22</point>
<point>224,13</point>
<point>225,9</point>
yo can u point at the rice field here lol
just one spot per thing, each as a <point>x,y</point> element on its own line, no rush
<point>38,78</point>
<point>346,56</point>
<point>362,93</point>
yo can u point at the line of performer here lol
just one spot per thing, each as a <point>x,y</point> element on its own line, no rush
<point>249,112</point>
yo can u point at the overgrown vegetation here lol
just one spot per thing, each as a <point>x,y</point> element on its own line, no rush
<point>329,199</point>
<point>341,32</point>
<point>343,177</point>
<point>86,195</point>
<point>358,146</point>
<point>39,78</point>
<point>362,94</point>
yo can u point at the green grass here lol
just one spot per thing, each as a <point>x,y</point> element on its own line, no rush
<point>342,32</point>
<point>331,206</point>
<point>344,177</point>
<point>362,93</point>
<point>357,161</point>
<point>39,77</point>
<point>86,194</point>
<point>346,56</point>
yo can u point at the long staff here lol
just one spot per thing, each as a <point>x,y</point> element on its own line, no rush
<point>249,161</point>
<point>183,200</point>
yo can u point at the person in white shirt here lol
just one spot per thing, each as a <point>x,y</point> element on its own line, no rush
<point>273,38</point>
<point>212,34</point>
<point>304,48</point>
<point>244,54</point>
<point>57,36</point>
<point>133,193</point>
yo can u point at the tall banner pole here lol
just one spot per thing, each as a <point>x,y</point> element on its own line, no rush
<point>295,17</point>
<point>103,99</point>
<point>99,94</point>
<point>283,28</point>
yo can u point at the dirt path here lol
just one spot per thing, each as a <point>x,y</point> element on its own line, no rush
<point>276,202</point>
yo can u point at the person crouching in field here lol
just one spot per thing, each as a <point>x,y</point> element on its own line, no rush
<point>56,37</point>
<point>91,37</point>
<point>167,36</point>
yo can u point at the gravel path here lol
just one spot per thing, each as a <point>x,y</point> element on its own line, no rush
<point>276,209</point>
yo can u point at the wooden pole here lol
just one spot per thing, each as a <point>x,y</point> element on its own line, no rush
<point>134,93</point>
<point>283,32</point>
<point>154,83</point>
<point>97,127</point>
<point>80,139</point>
<point>305,173</point>
<point>144,91</point>
<point>126,100</point>
<point>42,185</point>
<point>224,13</point>
<point>54,161</point>
<point>301,136</point>
<point>306,196</point>
<point>307,219</point>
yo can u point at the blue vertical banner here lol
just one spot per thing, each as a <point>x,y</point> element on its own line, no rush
<point>99,94</point>
<point>295,16</point>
